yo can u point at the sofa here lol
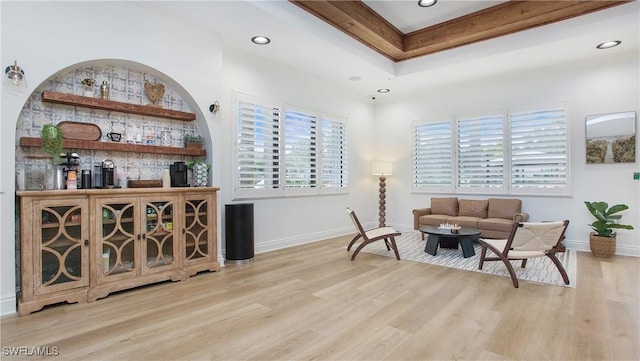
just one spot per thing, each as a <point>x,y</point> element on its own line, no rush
<point>494,217</point>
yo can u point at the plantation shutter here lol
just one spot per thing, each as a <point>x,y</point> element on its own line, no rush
<point>481,152</point>
<point>334,154</point>
<point>432,154</point>
<point>539,149</point>
<point>301,149</point>
<point>258,145</point>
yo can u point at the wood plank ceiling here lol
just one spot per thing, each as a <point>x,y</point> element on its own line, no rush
<point>356,19</point>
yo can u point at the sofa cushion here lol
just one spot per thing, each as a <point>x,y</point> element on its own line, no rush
<point>433,219</point>
<point>503,208</point>
<point>464,221</point>
<point>496,224</point>
<point>444,206</point>
<point>473,208</point>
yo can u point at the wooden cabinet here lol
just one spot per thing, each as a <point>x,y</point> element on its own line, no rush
<point>54,251</point>
<point>135,238</point>
<point>81,245</point>
<point>198,247</point>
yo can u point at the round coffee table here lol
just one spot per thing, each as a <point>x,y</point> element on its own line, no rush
<point>446,239</point>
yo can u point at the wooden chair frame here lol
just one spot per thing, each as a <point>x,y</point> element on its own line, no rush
<point>507,253</point>
<point>387,234</point>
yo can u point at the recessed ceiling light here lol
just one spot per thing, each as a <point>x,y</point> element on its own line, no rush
<point>382,91</point>
<point>426,3</point>
<point>260,40</point>
<point>609,44</point>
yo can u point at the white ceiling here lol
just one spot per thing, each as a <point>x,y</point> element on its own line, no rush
<point>302,42</point>
<point>407,16</point>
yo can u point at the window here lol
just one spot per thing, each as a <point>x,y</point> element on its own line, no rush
<point>258,145</point>
<point>300,149</point>
<point>433,155</point>
<point>294,151</point>
<point>539,150</point>
<point>481,152</point>
<point>334,153</point>
<point>518,152</point>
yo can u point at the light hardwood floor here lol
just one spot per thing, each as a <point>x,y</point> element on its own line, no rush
<point>312,302</point>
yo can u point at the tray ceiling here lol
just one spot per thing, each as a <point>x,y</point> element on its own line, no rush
<point>363,23</point>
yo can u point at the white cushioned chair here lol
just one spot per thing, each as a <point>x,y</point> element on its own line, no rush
<point>526,240</point>
<point>383,233</point>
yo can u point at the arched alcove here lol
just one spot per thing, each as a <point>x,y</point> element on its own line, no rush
<point>126,81</point>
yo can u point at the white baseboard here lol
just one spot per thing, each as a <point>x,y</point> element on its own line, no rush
<point>8,306</point>
<point>581,245</point>
<point>295,241</point>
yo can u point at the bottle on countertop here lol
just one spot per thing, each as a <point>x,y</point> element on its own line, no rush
<point>72,180</point>
<point>166,179</point>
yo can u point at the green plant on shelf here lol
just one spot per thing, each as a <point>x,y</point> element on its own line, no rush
<point>200,172</point>
<point>51,136</point>
<point>193,138</point>
<point>191,165</point>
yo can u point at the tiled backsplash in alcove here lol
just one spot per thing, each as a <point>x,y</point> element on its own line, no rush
<point>126,85</point>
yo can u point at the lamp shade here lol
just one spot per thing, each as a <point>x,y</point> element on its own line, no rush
<point>382,167</point>
<point>14,78</point>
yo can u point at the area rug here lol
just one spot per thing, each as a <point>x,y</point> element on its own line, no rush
<point>541,270</point>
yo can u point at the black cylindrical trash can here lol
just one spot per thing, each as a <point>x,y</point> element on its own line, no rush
<point>239,232</point>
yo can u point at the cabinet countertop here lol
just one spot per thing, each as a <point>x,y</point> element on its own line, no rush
<point>113,191</point>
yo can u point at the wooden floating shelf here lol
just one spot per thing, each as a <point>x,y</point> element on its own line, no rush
<point>116,147</point>
<point>104,104</point>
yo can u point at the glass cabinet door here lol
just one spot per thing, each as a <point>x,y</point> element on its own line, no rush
<point>117,241</point>
<point>196,236</point>
<point>61,245</point>
<point>158,240</point>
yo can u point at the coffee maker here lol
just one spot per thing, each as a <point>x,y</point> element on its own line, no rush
<point>178,172</point>
<point>108,174</point>
<point>69,162</point>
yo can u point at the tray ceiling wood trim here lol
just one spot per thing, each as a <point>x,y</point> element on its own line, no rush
<point>359,21</point>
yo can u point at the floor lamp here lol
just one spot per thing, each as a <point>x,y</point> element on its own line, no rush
<point>382,169</point>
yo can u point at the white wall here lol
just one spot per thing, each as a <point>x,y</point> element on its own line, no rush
<point>286,222</point>
<point>606,84</point>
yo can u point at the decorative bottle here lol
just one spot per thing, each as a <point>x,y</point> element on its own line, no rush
<point>166,179</point>
<point>104,90</point>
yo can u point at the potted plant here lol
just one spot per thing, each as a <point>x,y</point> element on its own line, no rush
<point>193,141</point>
<point>200,172</point>
<point>51,136</point>
<point>603,238</point>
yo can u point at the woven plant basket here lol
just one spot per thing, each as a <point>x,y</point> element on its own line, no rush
<point>604,247</point>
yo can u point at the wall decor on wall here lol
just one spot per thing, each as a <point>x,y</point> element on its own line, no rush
<point>154,92</point>
<point>611,138</point>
